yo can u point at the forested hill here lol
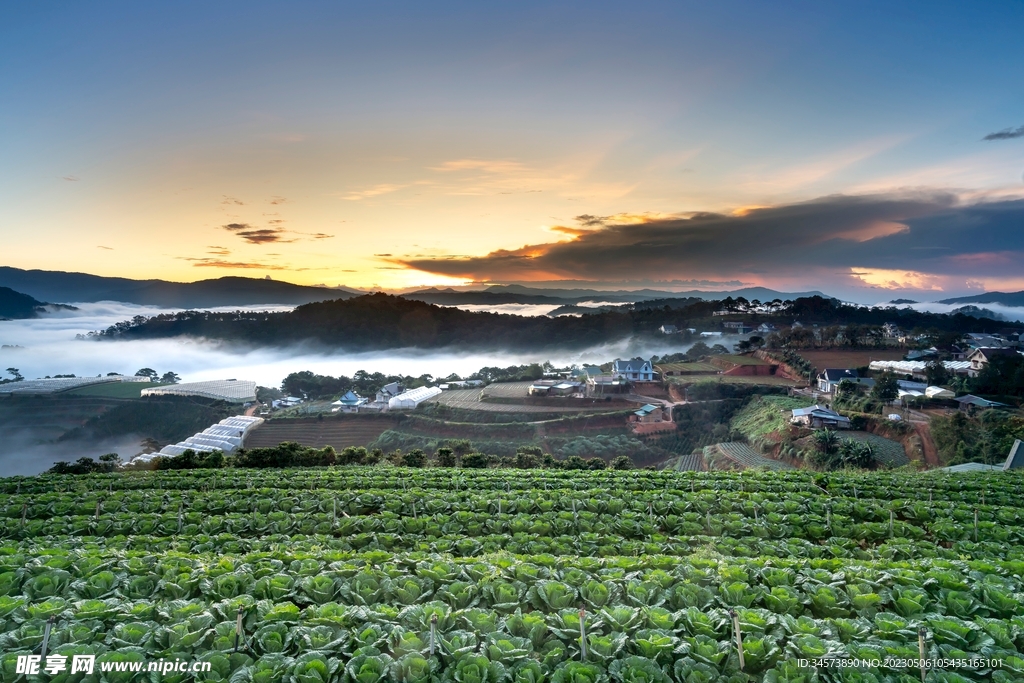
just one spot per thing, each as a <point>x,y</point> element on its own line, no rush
<point>382,321</point>
<point>15,305</point>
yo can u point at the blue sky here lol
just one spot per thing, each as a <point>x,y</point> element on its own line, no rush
<point>398,144</point>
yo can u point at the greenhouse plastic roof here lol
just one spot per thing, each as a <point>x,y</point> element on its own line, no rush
<point>232,390</point>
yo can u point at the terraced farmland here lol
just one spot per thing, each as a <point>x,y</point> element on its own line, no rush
<point>508,393</point>
<point>886,451</point>
<point>387,575</point>
<point>743,456</point>
<point>339,432</point>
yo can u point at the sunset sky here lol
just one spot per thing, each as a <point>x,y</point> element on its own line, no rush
<point>863,149</point>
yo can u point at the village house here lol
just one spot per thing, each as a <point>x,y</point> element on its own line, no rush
<point>547,387</point>
<point>635,369</point>
<point>831,377</point>
<point>982,356</point>
<point>600,385</point>
<point>651,413</point>
<point>668,329</point>
<point>388,392</point>
<point>819,417</point>
<point>971,403</point>
<point>349,403</point>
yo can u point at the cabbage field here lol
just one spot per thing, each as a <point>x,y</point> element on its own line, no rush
<point>374,575</point>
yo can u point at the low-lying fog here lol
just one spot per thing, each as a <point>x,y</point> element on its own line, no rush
<point>49,347</point>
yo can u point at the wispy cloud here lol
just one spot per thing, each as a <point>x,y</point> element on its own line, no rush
<point>278,200</point>
<point>100,246</point>
<point>71,178</point>
<point>375,191</point>
<point>233,201</point>
<point>1006,134</point>
<point>234,265</point>
<point>255,235</point>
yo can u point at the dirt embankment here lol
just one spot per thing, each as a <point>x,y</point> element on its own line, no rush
<point>783,368</point>
<point>915,445</point>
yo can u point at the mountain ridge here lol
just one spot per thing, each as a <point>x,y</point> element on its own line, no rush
<point>49,285</point>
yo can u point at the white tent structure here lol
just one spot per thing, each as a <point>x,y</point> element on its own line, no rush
<point>226,436</point>
<point>938,392</point>
<point>410,399</point>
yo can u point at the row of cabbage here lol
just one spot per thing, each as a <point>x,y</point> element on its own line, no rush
<point>425,502</point>
<point>585,545</point>
<point>496,527</point>
<point>425,619</point>
<point>1003,489</point>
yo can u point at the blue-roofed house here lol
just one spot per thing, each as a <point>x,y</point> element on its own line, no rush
<point>635,369</point>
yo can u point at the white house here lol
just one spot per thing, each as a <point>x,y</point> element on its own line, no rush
<point>831,377</point>
<point>668,329</point>
<point>636,369</point>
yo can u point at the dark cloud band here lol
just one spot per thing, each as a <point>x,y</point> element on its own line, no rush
<point>930,232</point>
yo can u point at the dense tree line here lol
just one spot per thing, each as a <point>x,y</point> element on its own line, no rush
<point>290,454</point>
<point>382,321</point>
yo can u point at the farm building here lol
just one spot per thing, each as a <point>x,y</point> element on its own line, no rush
<point>668,329</point>
<point>230,390</point>
<point>554,388</point>
<point>972,402</point>
<point>650,413</point>
<point>408,400</point>
<point>1014,461</point>
<point>818,417</point>
<point>599,385</point>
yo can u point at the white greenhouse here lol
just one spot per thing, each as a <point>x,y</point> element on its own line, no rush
<point>412,398</point>
<point>230,390</point>
<point>227,436</point>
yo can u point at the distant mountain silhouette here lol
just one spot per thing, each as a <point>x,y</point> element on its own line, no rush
<point>51,285</point>
<point>1004,298</point>
<point>520,294</point>
<point>15,305</point>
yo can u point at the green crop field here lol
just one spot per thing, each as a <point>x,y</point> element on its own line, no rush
<point>743,360</point>
<point>440,575</point>
<point>885,450</point>
<point>693,368</point>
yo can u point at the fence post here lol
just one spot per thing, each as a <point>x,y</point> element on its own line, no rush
<point>433,632</point>
<point>921,633</point>
<point>890,523</point>
<point>238,627</point>
<point>583,635</point>
<point>46,635</point>
<point>975,525</point>
<point>738,634</point>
